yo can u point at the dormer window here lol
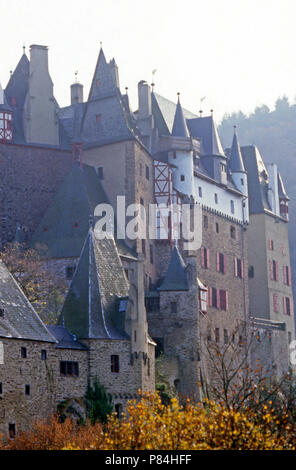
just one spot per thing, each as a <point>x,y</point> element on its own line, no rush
<point>232,206</point>
<point>216,198</point>
<point>5,126</point>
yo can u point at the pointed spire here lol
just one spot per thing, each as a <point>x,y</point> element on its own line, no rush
<point>236,163</point>
<point>176,276</point>
<point>179,126</point>
<point>91,307</point>
<point>104,81</point>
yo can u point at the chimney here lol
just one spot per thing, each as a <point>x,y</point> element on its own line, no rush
<point>76,93</point>
<point>40,109</point>
<point>144,95</point>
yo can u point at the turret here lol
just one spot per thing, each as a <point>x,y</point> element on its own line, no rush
<point>239,174</point>
<point>283,198</point>
<point>181,158</point>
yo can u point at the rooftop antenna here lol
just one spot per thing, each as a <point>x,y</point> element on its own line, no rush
<point>200,102</point>
<point>152,83</point>
<point>76,76</point>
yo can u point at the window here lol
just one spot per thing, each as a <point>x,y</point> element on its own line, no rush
<point>217,227</point>
<point>23,353</point>
<point>216,198</point>
<point>148,367</point>
<point>232,232</point>
<point>98,118</point>
<point>118,410</point>
<point>223,300</point>
<point>69,368</point>
<point>289,337</point>
<point>147,172</point>
<point>1,388</point>
<point>2,312</point>
<point>27,389</point>
<point>287,306</point>
<point>173,307</point>
<point>200,191</point>
<point>126,272</point>
<point>205,221</point>
<point>141,169</point>
<point>251,273</point>
<point>135,336</point>
<point>221,262</point>
<point>114,363</point>
<point>232,206</point>
<point>159,346</point>
<point>97,82</point>
<point>274,270</point>
<point>43,354</point>
<point>151,254</point>
<point>217,335</point>
<point>225,337</point>
<point>270,245</point>
<point>214,299</point>
<point>182,178</point>
<point>287,276</point>
<point>11,430</point>
<point>239,268</point>
<point>13,101</point>
<point>205,257</point>
<point>276,303</point>
<point>100,172</point>
<point>242,182</point>
<point>70,272</point>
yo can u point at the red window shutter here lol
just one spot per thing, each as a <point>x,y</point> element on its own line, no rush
<point>210,297</point>
<point>277,277</point>
<point>235,267</point>
<point>202,257</point>
<point>271,269</point>
<point>218,261</point>
<point>218,299</point>
<point>275,303</point>
<point>208,257</point>
<point>225,264</point>
<point>289,276</point>
<point>243,269</point>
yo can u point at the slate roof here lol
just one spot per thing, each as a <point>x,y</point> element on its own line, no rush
<point>164,112</point>
<point>91,308</point>
<point>176,276</point>
<point>17,88</point>
<point>62,231</point>
<point>257,174</point>
<point>236,163</point>
<point>20,319</point>
<point>204,129</point>
<point>65,340</point>
<point>179,126</point>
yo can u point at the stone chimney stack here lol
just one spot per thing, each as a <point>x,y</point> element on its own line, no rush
<point>40,117</point>
<point>76,93</point>
<point>144,95</point>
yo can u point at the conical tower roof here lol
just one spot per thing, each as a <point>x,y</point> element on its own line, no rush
<point>236,163</point>
<point>176,276</point>
<point>179,126</point>
<point>103,82</point>
<point>92,308</point>
<point>204,129</point>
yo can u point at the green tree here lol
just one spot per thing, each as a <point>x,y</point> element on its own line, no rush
<point>99,403</point>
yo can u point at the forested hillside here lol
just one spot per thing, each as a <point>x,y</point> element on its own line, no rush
<point>274,133</point>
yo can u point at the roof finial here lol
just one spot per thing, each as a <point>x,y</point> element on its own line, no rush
<point>212,112</point>
<point>200,112</point>
<point>76,76</point>
<point>24,49</point>
<point>178,94</point>
<point>90,221</point>
<point>126,90</point>
<point>10,72</point>
<point>153,73</point>
<point>234,127</point>
<point>101,44</point>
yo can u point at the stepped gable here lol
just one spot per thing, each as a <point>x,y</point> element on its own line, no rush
<point>18,319</point>
<point>93,305</point>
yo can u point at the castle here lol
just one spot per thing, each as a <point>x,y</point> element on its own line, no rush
<point>130,300</point>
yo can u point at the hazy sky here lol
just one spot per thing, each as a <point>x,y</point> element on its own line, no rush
<point>237,53</point>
